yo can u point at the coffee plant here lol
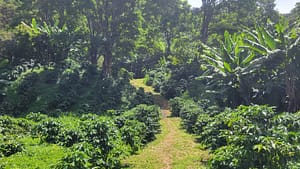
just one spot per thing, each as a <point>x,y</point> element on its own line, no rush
<point>245,137</point>
<point>150,116</point>
<point>49,131</point>
<point>10,148</point>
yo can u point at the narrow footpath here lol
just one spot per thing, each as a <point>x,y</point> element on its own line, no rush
<point>173,148</point>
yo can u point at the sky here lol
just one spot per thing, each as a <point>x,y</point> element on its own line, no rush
<point>283,6</point>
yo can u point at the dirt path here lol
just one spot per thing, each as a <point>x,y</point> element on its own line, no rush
<point>173,148</point>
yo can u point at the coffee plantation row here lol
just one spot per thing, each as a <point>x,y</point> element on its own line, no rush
<point>255,137</point>
<point>78,141</point>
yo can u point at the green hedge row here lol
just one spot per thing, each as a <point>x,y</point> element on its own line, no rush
<point>94,141</point>
<point>246,137</point>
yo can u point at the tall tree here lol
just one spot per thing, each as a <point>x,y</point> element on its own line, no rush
<point>208,8</point>
<point>111,26</point>
<point>295,13</point>
<point>233,15</point>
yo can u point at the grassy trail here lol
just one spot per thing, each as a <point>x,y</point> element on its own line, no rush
<point>173,148</point>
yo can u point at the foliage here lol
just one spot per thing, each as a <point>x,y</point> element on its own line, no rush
<point>88,140</point>
<point>156,77</point>
<point>227,69</point>
<point>49,131</point>
<point>52,91</point>
<point>149,115</point>
<point>246,137</point>
<point>70,56</point>
<point>7,149</point>
<point>133,134</point>
<point>265,56</point>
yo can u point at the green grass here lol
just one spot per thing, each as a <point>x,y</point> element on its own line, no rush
<point>140,83</point>
<point>34,156</point>
<point>146,158</point>
<point>173,148</point>
<point>70,121</point>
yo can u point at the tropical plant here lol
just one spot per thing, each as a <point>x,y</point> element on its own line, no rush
<point>227,68</point>
<point>279,47</point>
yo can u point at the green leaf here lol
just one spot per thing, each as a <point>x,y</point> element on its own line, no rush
<point>227,67</point>
<point>259,48</point>
<point>248,59</point>
<point>34,26</point>
<point>258,147</point>
<point>269,39</point>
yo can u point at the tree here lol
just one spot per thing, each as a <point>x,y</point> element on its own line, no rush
<point>208,7</point>
<point>112,28</point>
<point>233,16</point>
<point>295,13</point>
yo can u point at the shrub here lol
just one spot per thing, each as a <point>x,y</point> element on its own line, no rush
<point>173,88</point>
<point>105,137</point>
<point>189,114</point>
<point>150,116</point>
<point>37,117</point>
<point>133,134</point>
<point>68,137</point>
<point>9,125</point>
<point>101,133</point>
<point>10,148</point>
<point>230,157</point>
<point>211,133</point>
<point>252,137</point>
<point>78,159</point>
<point>202,121</point>
<point>5,124</point>
<point>49,131</point>
<point>176,105</point>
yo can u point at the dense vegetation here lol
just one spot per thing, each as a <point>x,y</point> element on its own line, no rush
<point>245,137</point>
<point>85,141</point>
<point>230,67</point>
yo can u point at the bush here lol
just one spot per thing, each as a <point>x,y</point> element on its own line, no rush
<point>189,114</point>
<point>36,117</point>
<point>150,116</point>
<point>78,159</point>
<point>211,133</point>
<point>68,137</point>
<point>7,149</point>
<point>9,125</point>
<point>156,77</point>
<point>176,105</point>
<point>252,137</point>
<point>173,88</point>
<point>49,131</point>
<point>133,134</point>
<point>102,133</point>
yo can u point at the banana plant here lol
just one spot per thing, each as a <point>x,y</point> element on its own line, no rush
<point>279,49</point>
<point>227,66</point>
<point>50,43</point>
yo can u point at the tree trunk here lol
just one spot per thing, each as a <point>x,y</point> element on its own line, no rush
<point>291,89</point>
<point>107,63</point>
<point>93,51</point>
<point>208,11</point>
<point>168,40</point>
